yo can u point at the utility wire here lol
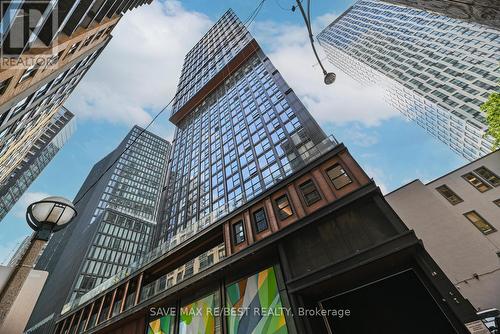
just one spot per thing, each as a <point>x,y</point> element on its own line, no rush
<point>245,25</point>
<point>281,6</point>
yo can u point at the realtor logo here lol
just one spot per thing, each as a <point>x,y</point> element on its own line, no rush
<point>28,32</point>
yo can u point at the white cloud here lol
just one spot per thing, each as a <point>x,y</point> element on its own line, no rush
<point>137,73</point>
<point>344,101</point>
<point>361,136</point>
<point>26,199</point>
<point>379,176</point>
<point>139,69</point>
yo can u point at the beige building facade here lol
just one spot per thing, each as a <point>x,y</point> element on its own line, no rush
<point>458,217</point>
<point>25,302</point>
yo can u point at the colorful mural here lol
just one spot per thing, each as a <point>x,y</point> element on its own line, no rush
<point>199,317</point>
<point>255,305</point>
<point>163,325</point>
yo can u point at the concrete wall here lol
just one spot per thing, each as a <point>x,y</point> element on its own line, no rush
<point>23,306</point>
<point>460,249</point>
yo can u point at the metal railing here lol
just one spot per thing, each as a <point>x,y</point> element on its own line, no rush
<point>192,229</point>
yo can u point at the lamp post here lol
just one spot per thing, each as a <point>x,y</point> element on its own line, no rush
<point>45,217</point>
<point>329,77</point>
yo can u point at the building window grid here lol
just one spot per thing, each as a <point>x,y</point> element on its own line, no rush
<point>260,220</point>
<point>488,176</point>
<point>338,32</point>
<point>238,232</point>
<point>283,207</point>
<point>476,182</point>
<point>338,176</point>
<point>187,131</point>
<point>309,192</point>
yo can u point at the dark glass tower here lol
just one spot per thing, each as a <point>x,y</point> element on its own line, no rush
<point>243,135</point>
<point>115,223</point>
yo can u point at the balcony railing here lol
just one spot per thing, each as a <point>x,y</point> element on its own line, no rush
<point>191,230</point>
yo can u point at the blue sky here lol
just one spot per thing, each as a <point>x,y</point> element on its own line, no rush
<point>137,74</point>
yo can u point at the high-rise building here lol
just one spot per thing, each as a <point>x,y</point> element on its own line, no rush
<point>237,135</point>
<point>269,225</point>
<point>456,216</point>
<point>436,70</point>
<point>36,159</point>
<point>115,225</point>
<point>46,49</point>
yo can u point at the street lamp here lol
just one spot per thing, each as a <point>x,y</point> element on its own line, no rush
<point>45,217</point>
<point>49,215</point>
<point>329,77</point>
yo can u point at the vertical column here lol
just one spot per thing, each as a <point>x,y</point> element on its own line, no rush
<point>124,299</point>
<point>18,277</point>
<point>89,316</point>
<point>99,311</point>
<point>138,290</point>
<point>111,304</point>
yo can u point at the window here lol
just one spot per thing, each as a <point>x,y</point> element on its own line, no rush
<point>99,34</point>
<point>284,207</point>
<point>497,202</point>
<point>338,176</point>
<point>310,193</point>
<point>30,72</point>
<point>476,182</point>
<point>260,220</point>
<point>488,175</point>
<point>478,221</point>
<point>449,194</point>
<point>238,232</point>
<point>73,49</point>
<point>3,85</point>
<point>87,41</point>
<point>87,283</point>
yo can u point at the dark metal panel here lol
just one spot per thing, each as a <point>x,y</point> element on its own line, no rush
<point>122,6</point>
<point>77,16</point>
<point>104,9</point>
<point>92,13</point>
<point>64,9</point>
<point>114,8</point>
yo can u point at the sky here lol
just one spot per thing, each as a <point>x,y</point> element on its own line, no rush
<point>137,74</point>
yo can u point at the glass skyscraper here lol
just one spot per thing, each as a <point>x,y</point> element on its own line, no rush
<point>437,70</point>
<point>115,225</point>
<point>127,208</point>
<point>244,134</point>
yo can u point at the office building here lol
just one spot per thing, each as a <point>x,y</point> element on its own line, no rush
<point>436,70</point>
<point>115,225</point>
<point>457,218</point>
<point>47,47</point>
<point>42,151</point>
<point>275,218</point>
